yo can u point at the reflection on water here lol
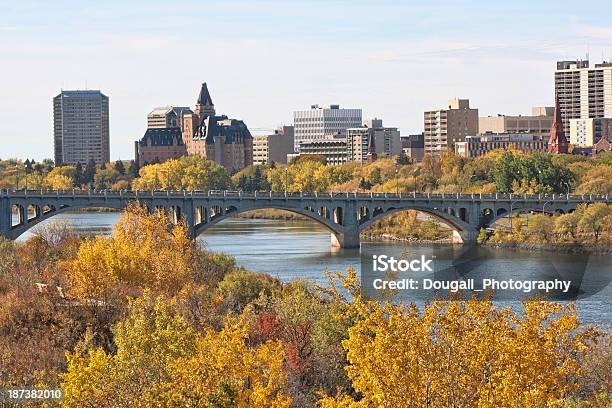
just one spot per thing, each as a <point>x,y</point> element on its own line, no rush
<point>289,249</point>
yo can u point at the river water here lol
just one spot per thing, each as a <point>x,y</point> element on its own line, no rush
<point>290,249</point>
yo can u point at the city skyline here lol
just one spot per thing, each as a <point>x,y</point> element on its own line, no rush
<point>388,61</point>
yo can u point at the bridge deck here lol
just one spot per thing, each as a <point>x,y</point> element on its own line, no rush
<point>135,194</point>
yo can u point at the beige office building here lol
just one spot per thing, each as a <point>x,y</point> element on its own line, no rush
<point>583,91</point>
<point>333,149</point>
<point>167,117</point>
<point>587,132</point>
<point>445,127</point>
<point>538,123</point>
<point>476,146</point>
<point>273,148</point>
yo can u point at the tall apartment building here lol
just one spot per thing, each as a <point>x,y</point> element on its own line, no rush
<point>167,117</point>
<point>321,122</point>
<point>445,127</point>
<point>584,92</point>
<point>80,127</point>
<point>587,132</point>
<point>538,123</point>
<point>273,148</point>
<point>372,137</point>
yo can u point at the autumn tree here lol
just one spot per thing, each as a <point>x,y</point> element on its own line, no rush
<point>189,173</point>
<point>458,353</point>
<point>224,371</point>
<point>593,220</point>
<point>147,341</point>
<point>145,251</point>
<point>61,178</point>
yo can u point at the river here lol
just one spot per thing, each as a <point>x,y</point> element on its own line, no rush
<point>290,249</point>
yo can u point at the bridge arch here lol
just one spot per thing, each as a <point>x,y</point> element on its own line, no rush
<point>462,231</point>
<point>550,210</point>
<point>48,211</point>
<point>199,228</point>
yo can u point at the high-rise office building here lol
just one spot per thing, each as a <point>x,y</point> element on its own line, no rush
<point>80,127</point>
<point>323,122</point>
<point>584,92</point>
<point>445,127</point>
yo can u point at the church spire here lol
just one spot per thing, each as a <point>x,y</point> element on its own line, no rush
<point>371,156</point>
<point>557,142</point>
<point>204,105</point>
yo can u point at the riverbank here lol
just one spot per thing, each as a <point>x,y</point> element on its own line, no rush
<point>377,236</point>
<point>272,214</point>
<point>566,248</point>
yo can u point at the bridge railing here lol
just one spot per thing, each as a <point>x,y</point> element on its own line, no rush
<point>132,194</point>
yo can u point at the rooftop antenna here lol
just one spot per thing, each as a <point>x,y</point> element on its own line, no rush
<point>587,52</point>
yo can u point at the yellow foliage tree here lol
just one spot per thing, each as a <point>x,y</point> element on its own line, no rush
<point>189,173</point>
<point>458,353</point>
<point>60,178</point>
<point>224,371</point>
<point>161,361</point>
<point>151,337</point>
<point>145,251</point>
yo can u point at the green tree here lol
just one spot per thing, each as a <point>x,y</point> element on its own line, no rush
<point>120,167</point>
<point>505,172</point>
<point>78,174</point>
<point>364,185</point>
<point>90,171</point>
<point>402,159</point>
<point>134,169</point>
<point>375,177</point>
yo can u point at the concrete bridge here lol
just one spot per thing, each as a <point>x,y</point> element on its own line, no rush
<point>344,214</point>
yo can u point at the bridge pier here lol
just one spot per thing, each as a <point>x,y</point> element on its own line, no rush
<point>349,238</point>
<point>5,218</point>
<point>464,236</point>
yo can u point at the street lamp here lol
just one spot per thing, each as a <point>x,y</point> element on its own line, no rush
<point>26,168</point>
<point>544,206</point>
<point>414,178</point>
<point>16,177</point>
<point>568,187</point>
<point>286,179</point>
<point>510,214</point>
<point>469,182</point>
<point>396,181</point>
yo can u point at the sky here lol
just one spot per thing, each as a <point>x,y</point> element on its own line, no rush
<point>264,59</point>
